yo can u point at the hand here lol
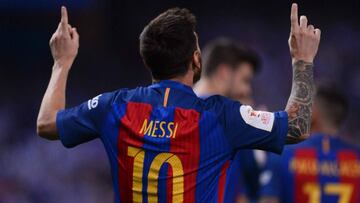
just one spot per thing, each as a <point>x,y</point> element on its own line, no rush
<point>304,39</point>
<point>64,43</point>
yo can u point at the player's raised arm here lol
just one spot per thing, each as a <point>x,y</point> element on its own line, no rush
<point>64,45</point>
<point>303,43</point>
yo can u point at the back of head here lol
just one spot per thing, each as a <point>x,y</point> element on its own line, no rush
<point>168,42</point>
<point>332,105</point>
<point>229,52</point>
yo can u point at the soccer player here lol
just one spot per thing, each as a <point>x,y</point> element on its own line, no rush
<point>163,142</point>
<point>322,169</point>
<point>228,70</point>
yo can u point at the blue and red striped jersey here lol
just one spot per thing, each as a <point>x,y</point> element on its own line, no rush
<point>321,169</point>
<point>251,165</point>
<point>167,145</point>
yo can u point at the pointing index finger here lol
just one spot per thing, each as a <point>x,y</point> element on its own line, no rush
<point>64,15</point>
<point>294,16</point>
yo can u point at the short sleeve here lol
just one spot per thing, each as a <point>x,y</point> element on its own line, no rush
<point>84,122</point>
<point>270,183</point>
<point>247,128</point>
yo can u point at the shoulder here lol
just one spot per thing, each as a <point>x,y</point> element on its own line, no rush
<point>347,145</point>
<point>135,94</point>
<point>218,102</point>
<point>314,141</point>
<point>111,96</point>
<point>216,99</point>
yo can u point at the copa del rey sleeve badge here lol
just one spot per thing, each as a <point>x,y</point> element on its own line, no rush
<point>259,119</point>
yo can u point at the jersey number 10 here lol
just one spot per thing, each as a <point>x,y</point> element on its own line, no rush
<point>153,176</point>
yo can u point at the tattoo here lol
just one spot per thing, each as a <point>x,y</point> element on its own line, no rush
<point>300,102</point>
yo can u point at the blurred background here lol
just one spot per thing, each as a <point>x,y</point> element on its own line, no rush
<point>36,170</point>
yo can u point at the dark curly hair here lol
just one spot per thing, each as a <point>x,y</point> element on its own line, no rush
<point>168,42</point>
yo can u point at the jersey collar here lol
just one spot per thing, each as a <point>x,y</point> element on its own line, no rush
<point>173,84</point>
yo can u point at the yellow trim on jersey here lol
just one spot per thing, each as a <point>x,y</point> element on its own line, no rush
<point>326,145</point>
<point>166,96</point>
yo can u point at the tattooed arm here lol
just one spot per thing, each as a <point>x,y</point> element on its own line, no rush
<point>300,102</point>
<point>303,42</point>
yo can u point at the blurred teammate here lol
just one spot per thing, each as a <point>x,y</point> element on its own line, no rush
<point>163,142</point>
<point>228,70</point>
<point>322,169</point>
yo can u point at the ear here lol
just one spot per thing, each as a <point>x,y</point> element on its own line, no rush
<point>196,59</point>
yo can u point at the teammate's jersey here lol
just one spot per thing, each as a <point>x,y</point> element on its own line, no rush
<point>322,169</point>
<point>234,187</point>
<point>167,145</point>
<point>243,176</point>
<point>252,163</point>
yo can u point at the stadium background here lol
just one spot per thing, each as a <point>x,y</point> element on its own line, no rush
<point>36,170</point>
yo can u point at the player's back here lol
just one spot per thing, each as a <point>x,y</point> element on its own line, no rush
<point>164,154</point>
<point>166,144</point>
<point>322,169</point>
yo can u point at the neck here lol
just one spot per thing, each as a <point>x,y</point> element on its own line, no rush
<point>187,79</point>
<point>209,86</point>
<point>325,129</point>
<point>331,131</point>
